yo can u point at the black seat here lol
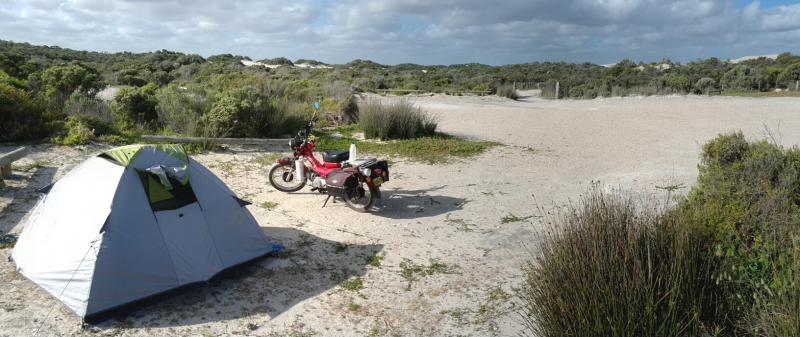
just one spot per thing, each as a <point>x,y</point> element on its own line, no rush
<point>335,156</point>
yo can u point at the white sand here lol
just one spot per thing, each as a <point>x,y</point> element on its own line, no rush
<point>451,213</point>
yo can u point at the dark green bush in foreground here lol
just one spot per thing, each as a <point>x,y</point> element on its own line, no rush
<point>724,261</point>
<point>395,120</point>
<point>21,116</point>
<point>615,269</point>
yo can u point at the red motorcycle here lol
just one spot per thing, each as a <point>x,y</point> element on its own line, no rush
<point>355,181</point>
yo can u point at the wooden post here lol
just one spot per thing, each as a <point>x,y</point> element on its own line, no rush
<point>5,171</point>
<point>515,85</point>
<point>797,85</point>
<point>5,162</point>
<point>557,89</point>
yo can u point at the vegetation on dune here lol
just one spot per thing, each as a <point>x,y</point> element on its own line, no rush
<point>724,262</point>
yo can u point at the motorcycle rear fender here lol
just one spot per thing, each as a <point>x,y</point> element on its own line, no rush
<point>376,189</point>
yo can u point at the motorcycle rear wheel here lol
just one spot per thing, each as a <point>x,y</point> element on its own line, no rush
<point>278,175</point>
<point>363,202</point>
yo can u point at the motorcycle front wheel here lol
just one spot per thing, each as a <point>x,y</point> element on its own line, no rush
<point>284,178</point>
<point>363,199</point>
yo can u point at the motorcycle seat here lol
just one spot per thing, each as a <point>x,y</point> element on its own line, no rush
<point>335,156</point>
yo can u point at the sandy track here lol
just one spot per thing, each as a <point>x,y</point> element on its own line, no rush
<point>457,214</point>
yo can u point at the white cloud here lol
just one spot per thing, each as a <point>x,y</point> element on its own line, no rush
<point>396,31</point>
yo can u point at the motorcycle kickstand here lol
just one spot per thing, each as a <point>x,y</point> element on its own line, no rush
<point>326,201</point>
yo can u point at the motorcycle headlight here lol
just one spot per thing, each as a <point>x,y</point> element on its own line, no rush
<point>366,172</point>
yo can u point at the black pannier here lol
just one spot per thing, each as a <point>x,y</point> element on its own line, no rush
<point>341,184</point>
<point>381,165</point>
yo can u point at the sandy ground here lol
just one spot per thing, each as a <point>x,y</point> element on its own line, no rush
<point>463,227</point>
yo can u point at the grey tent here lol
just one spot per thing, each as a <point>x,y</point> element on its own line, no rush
<point>132,223</point>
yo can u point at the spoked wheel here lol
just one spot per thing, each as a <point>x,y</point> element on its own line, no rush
<point>362,198</point>
<point>285,178</point>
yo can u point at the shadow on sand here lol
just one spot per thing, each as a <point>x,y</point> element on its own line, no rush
<point>308,267</point>
<point>413,204</point>
<point>23,195</point>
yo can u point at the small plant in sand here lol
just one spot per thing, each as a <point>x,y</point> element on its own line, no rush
<point>412,272</point>
<point>269,205</point>
<point>511,218</point>
<point>353,284</point>
<point>354,307</point>
<point>375,260</point>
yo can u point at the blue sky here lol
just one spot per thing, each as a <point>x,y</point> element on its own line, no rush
<point>415,31</point>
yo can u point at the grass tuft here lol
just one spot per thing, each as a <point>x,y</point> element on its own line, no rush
<point>411,271</point>
<point>395,120</point>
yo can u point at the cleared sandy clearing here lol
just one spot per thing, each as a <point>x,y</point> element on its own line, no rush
<point>451,213</point>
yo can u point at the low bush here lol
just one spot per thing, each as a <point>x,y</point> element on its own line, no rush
<point>399,119</point>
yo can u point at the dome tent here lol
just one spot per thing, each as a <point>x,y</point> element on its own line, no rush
<point>131,223</point>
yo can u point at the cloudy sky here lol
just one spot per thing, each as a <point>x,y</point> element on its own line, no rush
<point>415,31</point>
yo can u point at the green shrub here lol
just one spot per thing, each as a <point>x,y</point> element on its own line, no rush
<point>748,197</point>
<point>180,111</point>
<point>78,132</point>
<point>223,118</point>
<point>677,82</point>
<point>779,315</point>
<point>395,120</point>
<point>483,88</point>
<point>21,117</point>
<point>80,129</point>
<point>82,104</point>
<point>136,107</point>
<point>705,85</point>
<point>302,90</point>
<point>249,113</point>
<point>507,91</point>
<point>614,268</point>
<point>12,81</point>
